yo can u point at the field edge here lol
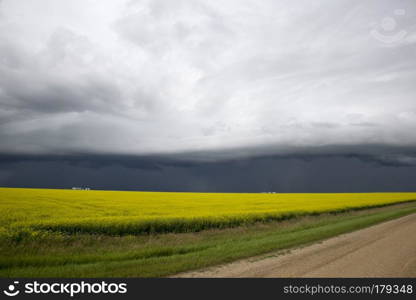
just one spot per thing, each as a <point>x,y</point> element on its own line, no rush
<point>300,243</point>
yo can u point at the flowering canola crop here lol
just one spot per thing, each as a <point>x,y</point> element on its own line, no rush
<point>121,212</point>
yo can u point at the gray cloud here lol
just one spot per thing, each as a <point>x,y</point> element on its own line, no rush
<point>209,80</point>
<point>292,173</point>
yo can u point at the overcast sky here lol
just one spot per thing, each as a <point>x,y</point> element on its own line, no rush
<point>210,80</point>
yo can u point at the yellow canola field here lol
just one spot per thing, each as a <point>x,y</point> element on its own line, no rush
<point>120,212</point>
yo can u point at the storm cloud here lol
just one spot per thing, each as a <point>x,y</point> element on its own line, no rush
<point>153,84</point>
<point>322,173</point>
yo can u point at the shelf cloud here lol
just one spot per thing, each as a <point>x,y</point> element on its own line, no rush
<point>209,80</point>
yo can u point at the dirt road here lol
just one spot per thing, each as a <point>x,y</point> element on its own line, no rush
<point>384,250</point>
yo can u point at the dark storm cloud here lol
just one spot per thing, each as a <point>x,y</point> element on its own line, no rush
<point>235,95</point>
<point>261,174</point>
<point>154,163</point>
<point>398,160</point>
